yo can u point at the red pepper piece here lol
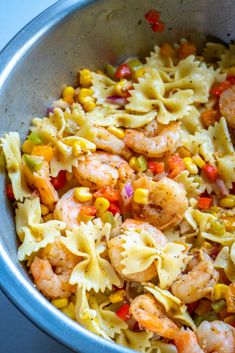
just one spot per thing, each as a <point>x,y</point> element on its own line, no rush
<point>158,26</point>
<point>156,167</point>
<point>9,192</point>
<point>152,16</point>
<point>123,312</point>
<point>231,79</point>
<point>122,71</point>
<point>192,307</point>
<point>176,165</point>
<point>204,203</point>
<point>108,193</point>
<point>210,172</point>
<point>59,181</point>
<point>219,88</point>
<point>114,208</point>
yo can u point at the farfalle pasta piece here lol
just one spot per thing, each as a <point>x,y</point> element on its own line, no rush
<point>213,51</point>
<point>33,234</point>
<point>224,261</point>
<point>173,305</point>
<point>96,316</point>
<point>102,87</point>
<point>10,144</point>
<point>192,184</point>
<point>88,241</point>
<point>228,58</point>
<point>191,122</point>
<point>160,62</point>
<point>139,341</point>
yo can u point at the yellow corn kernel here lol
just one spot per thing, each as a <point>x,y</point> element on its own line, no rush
<point>228,202</point>
<point>199,161</point>
<point>85,78</point>
<point>141,196</point>
<point>140,73</point>
<point>183,152</point>
<point>220,290</point>
<point>83,94</point>
<point>48,217</point>
<point>101,204</point>
<point>27,146</point>
<point>116,131</point>
<point>230,319</point>
<point>68,91</point>
<point>190,165</point>
<point>60,303</point>
<point>82,194</point>
<point>121,87</point>
<point>229,223</point>
<point>133,162</point>
<point>44,210</point>
<point>117,296</point>
<point>45,151</point>
<point>89,105</point>
<point>69,310</point>
<point>84,218</point>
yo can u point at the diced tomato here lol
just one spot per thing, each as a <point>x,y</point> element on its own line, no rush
<point>210,172</point>
<point>209,117</point>
<point>186,49</point>
<point>219,88</point>
<point>123,71</point>
<point>231,79</point>
<point>59,181</point>
<point>88,211</point>
<point>156,167</point>
<point>9,192</point>
<point>176,165</point>
<point>108,193</point>
<point>152,16</point>
<point>204,203</point>
<point>232,191</point>
<point>232,324</point>
<point>114,208</point>
<point>213,252</point>
<point>192,307</point>
<point>123,312</point>
<point>158,26</point>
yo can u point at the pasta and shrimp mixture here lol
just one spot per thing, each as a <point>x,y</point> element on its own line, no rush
<point>124,198</point>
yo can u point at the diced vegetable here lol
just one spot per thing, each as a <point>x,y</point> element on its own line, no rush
<point>212,316</point>
<point>217,227</point>
<point>59,181</point>
<point>123,312</point>
<point>134,65</point>
<point>9,192</point>
<point>117,296</point>
<point>116,100</point>
<point>220,87</point>
<point>230,298</point>
<point>190,165</point>
<point>107,217</point>
<point>69,310</point>
<point>129,189</point>
<point>122,87</point>
<point>218,305</point>
<point>199,161</point>
<point>152,16</point>
<point>143,166</point>
<point>60,303</point>
<point>102,205</point>
<point>114,208</point>
<point>141,196</point>
<point>167,50</point>
<point>186,49</point>
<point>210,172</point>
<point>116,131</point>
<point>204,203</point>
<point>176,165</point>
<point>123,71</point>
<point>68,94</point>
<point>156,167</point>
<point>158,26</point>
<point>27,146</point>
<point>34,163</point>
<point>231,79</point>
<point>209,117</point>
<point>44,210</point>
<point>110,71</point>
<point>82,194</point>
<point>88,211</point>
<point>85,78</point>
<point>191,307</point>
<point>228,202</point>
<point>45,151</point>
<point>108,193</point>
<point>35,138</point>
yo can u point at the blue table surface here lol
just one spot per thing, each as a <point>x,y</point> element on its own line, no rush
<point>17,333</point>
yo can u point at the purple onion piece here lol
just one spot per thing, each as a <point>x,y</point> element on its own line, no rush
<point>116,100</point>
<point>49,110</point>
<point>129,189</point>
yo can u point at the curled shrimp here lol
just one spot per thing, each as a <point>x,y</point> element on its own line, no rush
<point>197,283</point>
<point>101,169</point>
<point>216,336</point>
<point>227,105</point>
<point>167,202</point>
<point>51,272</point>
<point>67,209</point>
<point>115,250</point>
<point>166,142</point>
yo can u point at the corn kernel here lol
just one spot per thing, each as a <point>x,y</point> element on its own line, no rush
<point>78,147</point>
<point>121,87</point>
<point>117,296</point>
<point>183,152</point>
<point>68,91</point>
<point>85,78</point>
<point>141,196</point>
<point>230,319</point>
<point>60,303</point>
<point>27,146</point>
<point>84,218</point>
<point>89,105</point>
<point>101,205</point>
<point>190,166</point>
<point>228,202</point>
<point>44,210</point>
<point>133,162</point>
<point>140,73</point>
<point>69,310</point>
<point>199,161</point>
<point>82,194</point>
<point>48,217</point>
<point>220,290</point>
<point>116,131</point>
<point>83,94</point>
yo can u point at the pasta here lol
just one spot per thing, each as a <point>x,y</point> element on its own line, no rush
<point>124,200</point>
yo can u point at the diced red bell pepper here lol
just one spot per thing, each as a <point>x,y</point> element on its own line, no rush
<point>219,88</point>
<point>176,165</point>
<point>9,192</point>
<point>88,211</point>
<point>204,203</point>
<point>114,208</point>
<point>123,71</point>
<point>123,312</point>
<point>231,79</point>
<point>192,307</point>
<point>158,26</point>
<point>108,193</point>
<point>59,181</point>
<point>152,16</point>
<point>156,167</point>
<point>214,251</point>
<point>210,172</point>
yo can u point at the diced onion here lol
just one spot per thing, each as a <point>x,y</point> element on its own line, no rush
<point>222,187</point>
<point>116,100</point>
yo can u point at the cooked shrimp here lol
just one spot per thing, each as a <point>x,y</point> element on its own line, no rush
<point>186,342</point>
<point>166,142</point>
<point>101,169</point>
<point>108,142</point>
<point>197,283</point>
<point>167,202</point>
<point>67,209</point>
<point>115,249</point>
<point>216,337</point>
<point>54,283</point>
<point>227,105</point>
